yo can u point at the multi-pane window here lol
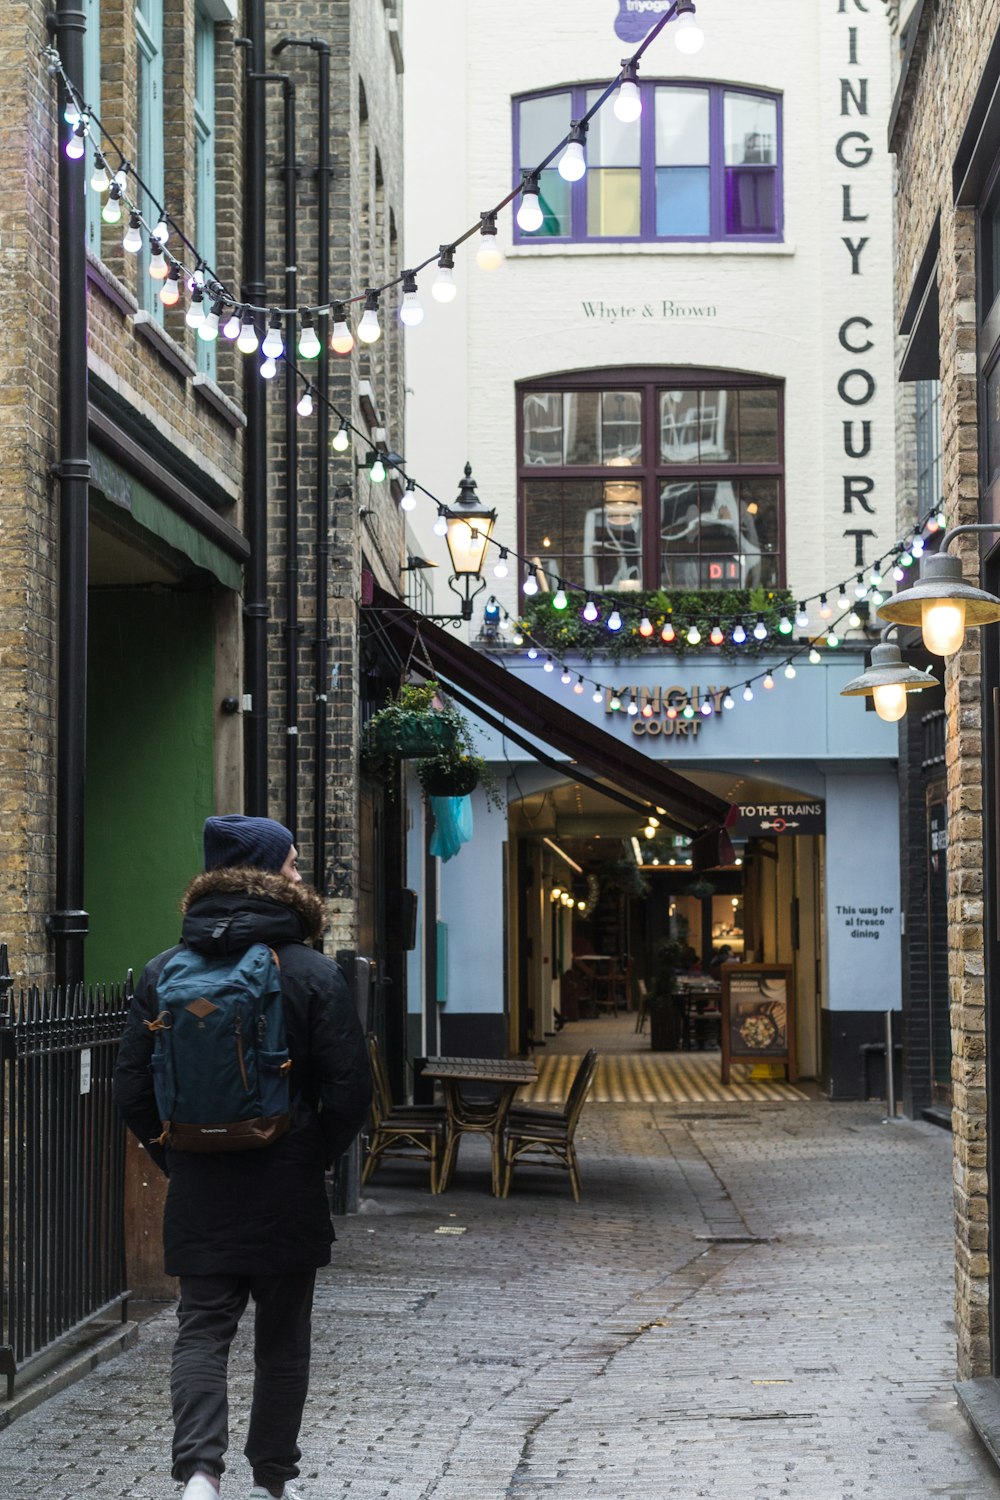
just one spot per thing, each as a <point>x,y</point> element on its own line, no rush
<point>204,156</point>
<point>669,480</point>
<point>149,133</point>
<point>928,414</point>
<point>702,162</point>
<point>91,84</point>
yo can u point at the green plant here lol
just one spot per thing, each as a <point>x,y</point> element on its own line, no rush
<point>670,960</point>
<point>566,630</point>
<point>420,724</point>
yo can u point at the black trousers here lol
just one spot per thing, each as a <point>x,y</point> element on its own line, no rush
<point>208,1314</point>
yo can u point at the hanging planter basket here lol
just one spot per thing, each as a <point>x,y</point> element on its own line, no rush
<point>448,781</point>
<point>412,736</point>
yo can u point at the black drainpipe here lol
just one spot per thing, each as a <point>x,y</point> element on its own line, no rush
<point>291,477</point>
<point>68,923</point>
<point>255,607</point>
<point>322,383</point>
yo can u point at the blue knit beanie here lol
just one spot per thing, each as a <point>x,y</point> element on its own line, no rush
<point>238,840</point>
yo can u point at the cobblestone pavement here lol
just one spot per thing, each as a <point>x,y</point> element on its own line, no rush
<point>752,1300</point>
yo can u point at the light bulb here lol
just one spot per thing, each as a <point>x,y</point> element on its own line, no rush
<point>645,627</point>
<point>596,695</point>
<point>760,630</point>
<point>377,471</point>
<point>231,327</point>
<point>111,213</point>
<point>548,665</point>
<point>628,100</point>
<point>341,439</point>
<point>573,162</point>
<point>99,179</point>
<point>77,143</point>
<point>784,624</point>
<point>161,231</point>
<point>877,599</point>
<point>917,546</point>
<point>769,681</point>
<point>268,368</point>
<point>748,694</point>
<point>369,329</point>
<point>273,345</point>
<point>890,702</point>
<point>132,241</point>
<point>802,617</point>
<point>170,291</point>
<point>615,703</point>
<point>789,671</point>
<point>443,288</point>
<point>411,310</point>
<point>614,620</point>
<point>488,255</point>
<point>590,612</point>
<point>208,330</point>
<point>814,657</point>
<point>739,633</point>
<point>578,685</point>
<point>832,639</point>
<point>195,315</point>
<point>530,585</point>
<point>728,701</point>
<point>688,35</point>
<point>408,499</point>
<point>309,344</point>
<point>693,635</point>
<point>715,635</point>
<point>532,653</point>
<point>842,600</point>
<point>943,625</point>
<point>440,528</point>
<point>706,707</point>
<point>667,634</point>
<point>529,212</point>
<point>341,337</point>
<point>825,607</point>
<point>632,710</point>
<point>159,268</point>
<point>559,600</point>
<point>304,405</point>
<point>854,619</point>
<point>500,569</point>
<point>898,573</point>
<point>71,114</point>
<point>860,588</point>
<point>247,342</point>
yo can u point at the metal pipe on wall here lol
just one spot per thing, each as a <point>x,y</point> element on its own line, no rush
<point>68,923</point>
<point>255,608</point>
<point>291,475</point>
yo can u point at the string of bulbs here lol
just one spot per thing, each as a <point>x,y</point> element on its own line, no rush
<point>241,325</point>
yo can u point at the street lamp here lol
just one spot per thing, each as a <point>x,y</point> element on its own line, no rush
<point>470,525</point>
<point>942,603</point>
<point>888,680</point>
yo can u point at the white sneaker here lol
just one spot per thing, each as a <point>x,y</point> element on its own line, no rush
<point>259,1493</point>
<point>199,1487</point>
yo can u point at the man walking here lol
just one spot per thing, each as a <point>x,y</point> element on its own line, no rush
<point>251,1223</point>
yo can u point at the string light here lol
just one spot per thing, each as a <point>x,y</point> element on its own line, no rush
<point>688,35</point>
<point>628,100</point>
<point>784,624</point>
<point>529,213</point>
<point>440,527</point>
<point>195,314</point>
<point>77,143</point>
<point>590,611</point>
<point>596,695</point>
<point>739,633</point>
<point>559,600</point>
<point>769,681</point>
<point>268,368</point>
<point>248,342</point>
<point>842,600</point>
<point>231,327</point>
<point>304,406</point>
<point>760,629</point>
<point>309,343</point>
<point>549,665</point>
<point>488,255</point>
<point>133,234</point>
<point>860,588</point>
<point>500,569</point>
<point>566,678</point>
<point>273,345</point>
<point>411,310</point>
<point>170,291</point>
<point>802,616</point>
<point>408,498</point>
<point>614,620</point>
<point>667,634</point>
<point>208,329</point>
<point>693,635</point>
<point>715,635</point>
<point>573,162</point>
<point>341,337</point>
<point>748,694</point>
<point>369,329</point>
<point>161,230</point>
<point>825,607</point>
<point>789,671</point>
<point>99,179</point>
<point>443,288</point>
<point>158,267</point>
<point>341,439</point>
<point>645,627</point>
<point>377,471</point>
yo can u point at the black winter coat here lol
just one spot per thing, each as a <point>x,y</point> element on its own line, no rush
<point>257,1212</point>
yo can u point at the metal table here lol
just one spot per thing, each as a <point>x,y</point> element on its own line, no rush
<point>477,1117</point>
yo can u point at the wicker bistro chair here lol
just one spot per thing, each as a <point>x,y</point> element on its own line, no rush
<point>404,1130</point>
<point>546,1135</point>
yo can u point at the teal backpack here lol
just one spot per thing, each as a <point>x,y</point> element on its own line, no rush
<point>220,1061</point>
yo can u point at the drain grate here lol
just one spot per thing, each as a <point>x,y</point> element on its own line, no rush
<point>735,1239</point>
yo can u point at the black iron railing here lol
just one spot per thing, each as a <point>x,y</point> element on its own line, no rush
<point>62,1160</point>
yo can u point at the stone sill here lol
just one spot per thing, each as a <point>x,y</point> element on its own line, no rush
<point>146,327</point>
<point>108,284</point>
<point>206,390</point>
<point>629,247</point>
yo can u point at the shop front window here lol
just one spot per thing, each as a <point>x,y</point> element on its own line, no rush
<point>659,482</point>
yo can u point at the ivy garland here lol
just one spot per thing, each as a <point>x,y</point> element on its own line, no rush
<point>565,630</point>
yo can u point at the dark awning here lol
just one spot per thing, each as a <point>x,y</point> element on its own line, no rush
<point>475,678</point>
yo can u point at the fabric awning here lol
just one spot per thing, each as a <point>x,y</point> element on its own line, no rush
<point>486,689</point>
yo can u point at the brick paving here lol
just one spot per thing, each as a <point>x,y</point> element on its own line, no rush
<point>752,1300</point>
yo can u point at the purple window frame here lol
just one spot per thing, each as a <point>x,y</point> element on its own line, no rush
<point>652,471</point>
<point>647,169</point>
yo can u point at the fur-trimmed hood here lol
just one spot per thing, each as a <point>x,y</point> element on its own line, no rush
<point>258,886</point>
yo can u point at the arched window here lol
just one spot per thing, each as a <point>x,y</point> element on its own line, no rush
<point>702,162</point>
<point>650,478</point>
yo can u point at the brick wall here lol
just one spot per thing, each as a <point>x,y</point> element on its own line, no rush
<point>940,86</point>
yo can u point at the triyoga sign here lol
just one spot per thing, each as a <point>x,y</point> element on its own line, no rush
<point>636,17</point>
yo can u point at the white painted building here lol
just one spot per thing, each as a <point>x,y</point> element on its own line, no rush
<point>684,379</point>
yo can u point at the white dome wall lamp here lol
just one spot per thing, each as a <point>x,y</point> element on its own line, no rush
<point>888,681</point>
